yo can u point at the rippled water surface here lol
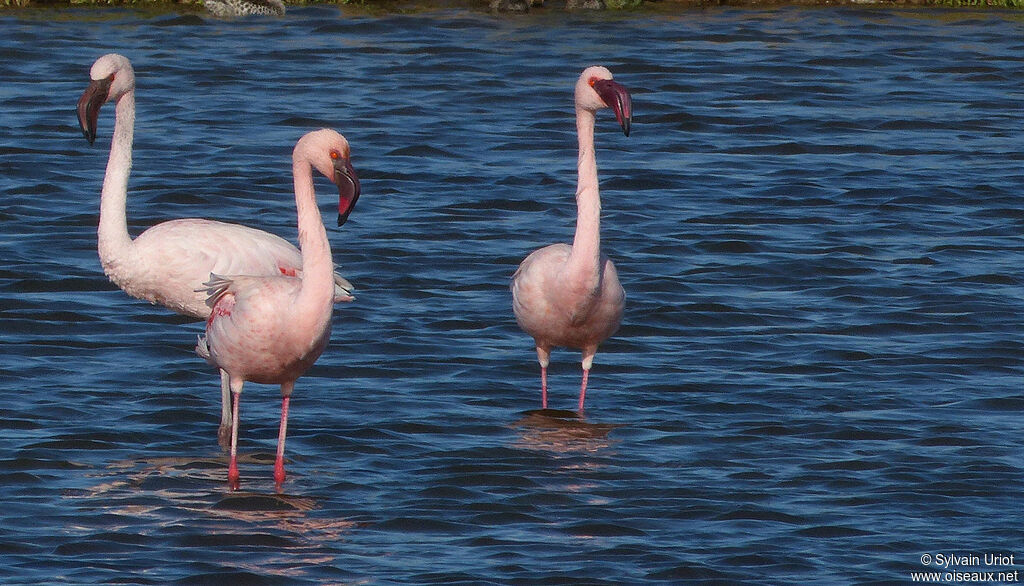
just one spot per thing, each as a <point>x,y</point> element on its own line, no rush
<point>817,219</point>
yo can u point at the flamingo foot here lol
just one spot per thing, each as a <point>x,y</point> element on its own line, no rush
<point>278,476</point>
<point>233,477</point>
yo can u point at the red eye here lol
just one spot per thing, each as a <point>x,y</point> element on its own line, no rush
<point>335,155</point>
<point>592,81</point>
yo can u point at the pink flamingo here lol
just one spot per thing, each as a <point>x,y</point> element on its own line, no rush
<point>169,261</point>
<point>570,295</point>
<point>271,329</point>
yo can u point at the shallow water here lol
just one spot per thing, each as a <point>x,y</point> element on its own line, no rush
<point>817,219</point>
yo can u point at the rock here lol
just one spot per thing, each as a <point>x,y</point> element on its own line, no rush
<point>585,5</point>
<point>513,6</point>
<point>230,8</point>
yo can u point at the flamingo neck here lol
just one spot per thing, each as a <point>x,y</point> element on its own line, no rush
<point>317,263</point>
<point>114,242</point>
<point>584,262</point>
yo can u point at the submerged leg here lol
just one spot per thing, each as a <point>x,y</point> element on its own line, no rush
<point>224,432</point>
<point>286,391</point>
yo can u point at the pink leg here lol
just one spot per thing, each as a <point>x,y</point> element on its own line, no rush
<point>544,358</point>
<point>543,387</point>
<point>233,477</point>
<point>279,462</point>
<point>583,388</point>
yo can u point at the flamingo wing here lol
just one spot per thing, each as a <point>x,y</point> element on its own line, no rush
<point>173,259</point>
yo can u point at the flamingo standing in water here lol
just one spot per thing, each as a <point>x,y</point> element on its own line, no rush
<point>169,261</point>
<point>566,295</point>
<point>271,329</point>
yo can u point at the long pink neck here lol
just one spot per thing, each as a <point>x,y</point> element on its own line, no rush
<point>317,263</point>
<point>584,262</point>
<point>114,241</point>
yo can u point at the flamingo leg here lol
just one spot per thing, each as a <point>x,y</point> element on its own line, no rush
<point>544,358</point>
<point>583,387</point>
<point>224,432</point>
<point>543,387</point>
<point>279,461</point>
<point>233,476</point>
<point>586,363</point>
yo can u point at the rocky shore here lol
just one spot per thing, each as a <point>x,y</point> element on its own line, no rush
<point>228,8</point>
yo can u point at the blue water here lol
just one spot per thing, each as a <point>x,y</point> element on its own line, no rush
<point>817,218</point>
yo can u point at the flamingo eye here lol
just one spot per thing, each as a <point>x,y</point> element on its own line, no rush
<point>592,81</point>
<point>335,155</point>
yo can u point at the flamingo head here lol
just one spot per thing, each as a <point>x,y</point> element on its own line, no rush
<point>596,89</point>
<point>330,153</point>
<point>111,77</point>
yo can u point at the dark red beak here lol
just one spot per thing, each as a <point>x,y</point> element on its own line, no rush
<point>89,105</point>
<point>348,188</point>
<point>616,96</point>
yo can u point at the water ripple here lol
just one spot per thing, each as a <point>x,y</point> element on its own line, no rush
<point>816,218</point>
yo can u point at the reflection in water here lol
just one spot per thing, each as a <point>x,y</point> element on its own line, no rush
<point>164,490</point>
<point>560,431</point>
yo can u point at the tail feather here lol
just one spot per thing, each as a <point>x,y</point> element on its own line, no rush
<point>215,288</point>
<point>202,349</point>
<point>342,289</point>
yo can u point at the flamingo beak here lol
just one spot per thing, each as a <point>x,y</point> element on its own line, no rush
<point>348,188</point>
<point>616,96</point>
<point>89,105</point>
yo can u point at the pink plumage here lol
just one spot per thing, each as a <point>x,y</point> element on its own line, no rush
<point>566,295</point>
<point>272,329</point>
<point>169,261</point>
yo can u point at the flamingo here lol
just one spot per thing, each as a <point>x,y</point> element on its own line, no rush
<point>272,329</point>
<point>566,295</point>
<point>166,263</point>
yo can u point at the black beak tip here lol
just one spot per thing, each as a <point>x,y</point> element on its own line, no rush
<point>88,133</point>
<point>342,219</point>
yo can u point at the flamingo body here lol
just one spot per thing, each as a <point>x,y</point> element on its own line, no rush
<point>272,329</point>
<point>566,295</point>
<point>244,344</point>
<point>556,312</point>
<point>168,262</point>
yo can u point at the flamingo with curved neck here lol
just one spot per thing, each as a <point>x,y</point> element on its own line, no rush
<point>566,295</point>
<point>272,329</point>
<point>169,261</point>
